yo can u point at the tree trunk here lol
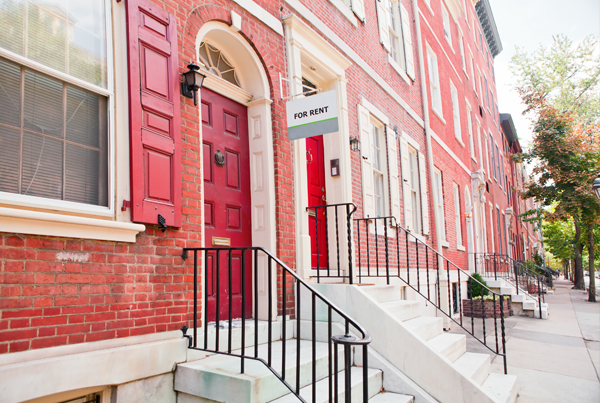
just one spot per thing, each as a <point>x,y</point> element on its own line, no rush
<point>578,279</point>
<point>592,290</point>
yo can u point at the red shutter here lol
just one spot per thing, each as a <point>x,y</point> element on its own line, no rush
<point>154,114</point>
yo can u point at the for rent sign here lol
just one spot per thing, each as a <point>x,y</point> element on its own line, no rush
<point>312,116</point>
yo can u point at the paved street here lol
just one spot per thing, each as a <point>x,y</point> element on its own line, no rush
<point>556,360</point>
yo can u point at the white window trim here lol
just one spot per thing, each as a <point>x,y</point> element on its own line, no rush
<point>398,69</point>
<point>469,113</point>
<point>428,4</point>
<point>457,217</point>
<point>14,199</point>
<point>346,12</point>
<point>439,205</point>
<point>456,114</point>
<point>418,227</point>
<point>461,45</point>
<point>435,84</point>
<point>446,20</point>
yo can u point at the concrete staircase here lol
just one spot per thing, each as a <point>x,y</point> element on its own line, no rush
<point>416,346</point>
<point>450,345</point>
<point>522,303</point>
<point>208,378</point>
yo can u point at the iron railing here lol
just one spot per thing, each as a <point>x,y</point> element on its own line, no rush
<point>525,280</point>
<point>330,214</point>
<point>386,249</point>
<point>285,299</point>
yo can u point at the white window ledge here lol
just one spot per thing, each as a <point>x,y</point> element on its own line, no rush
<point>459,141</point>
<point>345,11</point>
<point>439,115</point>
<point>460,247</point>
<point>399,70</point>
<point>445,244</point>
<point>41,223</point>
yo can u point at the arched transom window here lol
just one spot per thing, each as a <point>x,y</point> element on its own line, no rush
<point>215,63</point>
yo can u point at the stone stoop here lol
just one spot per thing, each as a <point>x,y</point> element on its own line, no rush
<point>209,378</point>
<point>501,388</point>
<point>497,388</point>
<point>522,303</point>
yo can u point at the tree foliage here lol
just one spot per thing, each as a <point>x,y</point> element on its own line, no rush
<point>560,88</point>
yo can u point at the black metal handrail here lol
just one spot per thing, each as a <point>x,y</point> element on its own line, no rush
<point>401,258</point>
<point>295,284</point>
<point>525,280</point>
<point>316,211</point>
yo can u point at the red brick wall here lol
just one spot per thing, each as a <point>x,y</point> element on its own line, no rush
<point>121,289</point>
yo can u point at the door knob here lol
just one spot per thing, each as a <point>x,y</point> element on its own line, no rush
<point>324,199</point>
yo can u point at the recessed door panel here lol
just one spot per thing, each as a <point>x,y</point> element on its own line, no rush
<point>315,175</point>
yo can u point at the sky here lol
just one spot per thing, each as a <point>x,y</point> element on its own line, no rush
<point>530,24</point>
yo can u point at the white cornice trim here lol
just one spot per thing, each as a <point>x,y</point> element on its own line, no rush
<point>344,47</point>
<point>41,223</point>
<point>262,15</point>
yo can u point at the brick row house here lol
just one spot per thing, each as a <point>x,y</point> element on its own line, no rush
<point>108,173</point>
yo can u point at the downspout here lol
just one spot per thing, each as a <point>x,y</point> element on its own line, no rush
<point>426,121</point>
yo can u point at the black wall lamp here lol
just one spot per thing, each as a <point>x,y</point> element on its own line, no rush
<point>596,187</point>
<point>354,144</point>
<point>192,82</point>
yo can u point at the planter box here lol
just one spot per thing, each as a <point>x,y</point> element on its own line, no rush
<point>477,310</point>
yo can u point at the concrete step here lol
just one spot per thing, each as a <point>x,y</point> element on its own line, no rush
<point>404,309</point>
<point>375,379</point>
<point>384,293</point>
<point>473,365</point>
<point>218,377</point>
<point>536,313</point>
<point>491,283</point>
<point>426,327</point>
<point>518,298</point>
<point>389,397</point>
<point>450,345</point>
<point>529,305</point>
<point>502,388</point>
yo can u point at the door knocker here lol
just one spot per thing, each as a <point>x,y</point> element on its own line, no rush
<point>219,158</point>
<point>309,157</point>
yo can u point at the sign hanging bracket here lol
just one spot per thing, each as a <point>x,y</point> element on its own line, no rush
<point>311,89</point>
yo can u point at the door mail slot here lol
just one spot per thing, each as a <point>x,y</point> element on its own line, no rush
<point>217,241</point>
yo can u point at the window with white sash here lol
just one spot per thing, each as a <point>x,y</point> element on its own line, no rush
<point>380,185</point>
<point>414,187</point>
<point>446,20</point>
<point>347,7</point>
<point>457,218</point>
<point>55,97</point>
<point>461,45</point>
<point>395,35</point>
<point>456,113</point>
<point>434,82</point>
<point>470,131</point>
<point>438,193</point>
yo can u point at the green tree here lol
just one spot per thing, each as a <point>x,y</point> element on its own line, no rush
<point>560,88</point>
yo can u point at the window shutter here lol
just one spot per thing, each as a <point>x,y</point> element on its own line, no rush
<point>406,191</point>
<point>358,7</point>
<point>382,19</point>
<point>424,201</point>
<point>393,169</point>
<point>407,37</point>
<point>154,114</point>
<point>367,165</point>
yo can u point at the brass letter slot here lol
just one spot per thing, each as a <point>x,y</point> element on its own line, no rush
<point>216,241</point>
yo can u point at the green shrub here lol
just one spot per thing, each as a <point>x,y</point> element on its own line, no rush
<point>477,286</point>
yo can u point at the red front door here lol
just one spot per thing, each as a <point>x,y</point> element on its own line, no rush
<point>226,201</point>
<point>315,175</point>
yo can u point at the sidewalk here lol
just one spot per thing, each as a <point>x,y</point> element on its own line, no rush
<point>558,359</point>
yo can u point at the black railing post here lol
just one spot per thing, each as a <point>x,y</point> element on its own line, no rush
<point>387,255</point>
<point>539,290</point>
<point>349,229</point>
<point>503,333</point>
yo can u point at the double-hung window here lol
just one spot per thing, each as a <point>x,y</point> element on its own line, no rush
<point>492,159</point>
<point>414,189</point>
<point>378,159</point>
<point>462,51</point>
<point>347,7</point>
<point>395,35</point>
<point>380,185</point>
<point>439,206</point>
<point>470,131</point>
<point>434,82</point>
<point>414,186</point>
<point>446,20</point>
<point>55,98</point>
<point>456,114</point>
<point>457,220</point>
